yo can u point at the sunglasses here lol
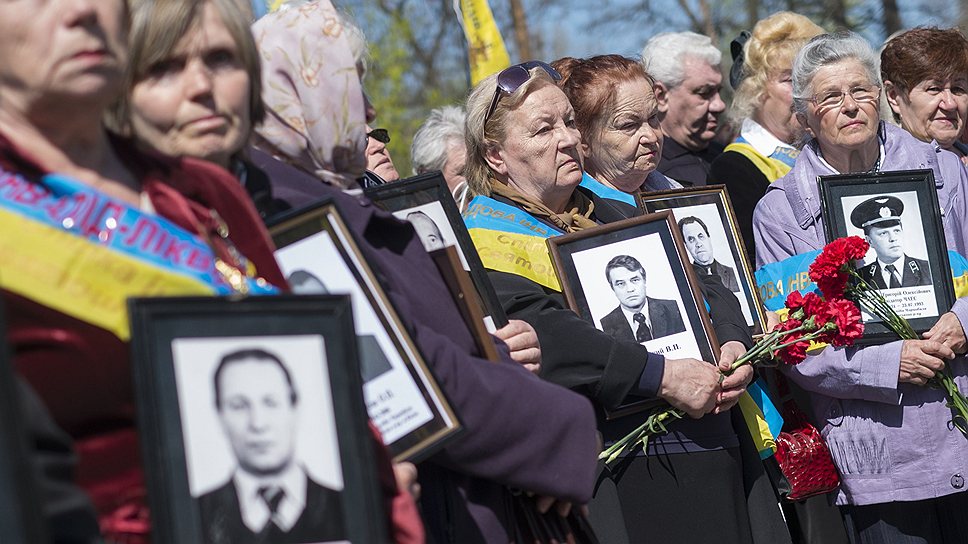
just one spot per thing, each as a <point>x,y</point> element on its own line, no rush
<point>510,79</point>
<point>381,135</point>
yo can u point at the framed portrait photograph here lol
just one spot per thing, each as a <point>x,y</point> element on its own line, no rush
<point>318,254</point>
<point>899,216</point>
<point>713,242</point>
<point>21,519</point>
<point>252,421</point>
<point>632,279</point>
<point>427,204</point>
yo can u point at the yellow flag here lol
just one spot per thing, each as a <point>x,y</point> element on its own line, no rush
<point>485,47</point>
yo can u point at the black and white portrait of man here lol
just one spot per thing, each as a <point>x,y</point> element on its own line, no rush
<point>881,220</point>
<point>701,251</point>
<point>373,362</point>
<point>638,317</point>
<point>269,496</point>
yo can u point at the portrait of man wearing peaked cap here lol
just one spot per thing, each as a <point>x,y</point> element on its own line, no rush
<point>880,219</point>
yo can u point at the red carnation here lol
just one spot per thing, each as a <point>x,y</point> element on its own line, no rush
<point>830,269</point>
<point>847,317</point>
<point>796,352</point>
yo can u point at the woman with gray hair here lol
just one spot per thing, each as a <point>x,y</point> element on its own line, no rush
<point>439,145</point>
<point>901,463</point>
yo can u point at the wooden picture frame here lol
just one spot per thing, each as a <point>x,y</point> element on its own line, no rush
<point>707,211</point>
<point>594,268</point>
<point>237,395</point>
<point>427,194</point>
<point>462,289</point>
<point>903,222</point>
<point>401,392</point>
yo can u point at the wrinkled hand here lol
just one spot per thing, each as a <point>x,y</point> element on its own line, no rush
<point>772,320</point>
<point>948,331</point>
<point>921,359</point>
<point>406,476</point>
<point>522,340</point>
<point>690,385</point>
<point>735,384</point>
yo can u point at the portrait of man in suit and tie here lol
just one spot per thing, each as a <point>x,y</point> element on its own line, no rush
<point>269,497</point>
<point>695,234</point>
<point>880,218</point>
<point>638,317</point>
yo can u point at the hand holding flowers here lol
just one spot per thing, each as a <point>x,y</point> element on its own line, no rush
<point>810,319</point>
<point>835,273</point>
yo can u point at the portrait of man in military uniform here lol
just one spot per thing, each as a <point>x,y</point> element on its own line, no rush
<point>893,268</point>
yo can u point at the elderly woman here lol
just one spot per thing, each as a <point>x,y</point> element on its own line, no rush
<point>61,69</point>
<point>765,149</point>
<point>616,114</point>
<point>524,158</point>
<point>925,73</point>
<point>439,145</point>
<point>901,462</point>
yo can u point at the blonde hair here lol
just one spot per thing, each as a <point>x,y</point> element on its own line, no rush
<point>478,137</point>
<point>771,48</point>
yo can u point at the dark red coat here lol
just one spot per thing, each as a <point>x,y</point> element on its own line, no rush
<point>82,372</point>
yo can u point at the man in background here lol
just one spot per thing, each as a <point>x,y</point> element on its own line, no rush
<point>687,75</point>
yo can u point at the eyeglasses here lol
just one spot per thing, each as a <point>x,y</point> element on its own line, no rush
<point>834,99</point>
<point>381,135</point>
<point>511,78</point>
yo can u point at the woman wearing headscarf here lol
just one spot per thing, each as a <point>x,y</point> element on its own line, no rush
<point>900,460</point>
<point>766,147</point>
<point>315,128</point>
<point>80,204</point>
<point>925,73</point>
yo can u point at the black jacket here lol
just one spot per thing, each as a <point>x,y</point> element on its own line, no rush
<point>321,519</point>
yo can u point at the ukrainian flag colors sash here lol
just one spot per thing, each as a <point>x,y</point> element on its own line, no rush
<point>779,279</point>
<point>82,253</point>
<point>605,191</point>
<point>511,240</point>
<point>762,418</point>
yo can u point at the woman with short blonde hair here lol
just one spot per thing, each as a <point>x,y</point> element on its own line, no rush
<point>763,105</point>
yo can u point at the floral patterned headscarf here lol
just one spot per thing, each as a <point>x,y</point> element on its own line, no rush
<point>314,101</point>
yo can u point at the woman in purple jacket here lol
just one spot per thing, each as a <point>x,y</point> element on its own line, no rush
<point>903,466</point>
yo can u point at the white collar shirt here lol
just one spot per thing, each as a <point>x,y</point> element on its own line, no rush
<point>255,511</point>
<point>762,140</point>
<point>630,316</point>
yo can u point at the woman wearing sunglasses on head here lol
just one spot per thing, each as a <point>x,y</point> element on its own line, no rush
<point>524,158</point>
<point>900,459</point>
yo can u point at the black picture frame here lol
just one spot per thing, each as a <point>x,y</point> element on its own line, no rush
<point>711,205</point>
<point>21,518</point>
<point>581,260</point>
<point>921,240</point>
<point>428,193</point>
<point>404,400</point>
<point>176,345</point>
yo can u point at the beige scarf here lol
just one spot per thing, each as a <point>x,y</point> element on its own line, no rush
<point>576,217</point>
